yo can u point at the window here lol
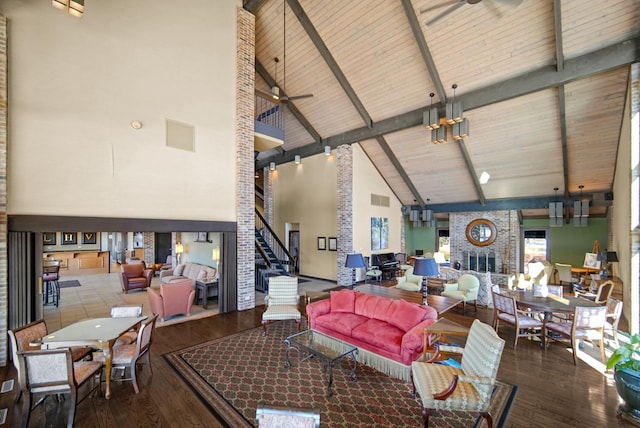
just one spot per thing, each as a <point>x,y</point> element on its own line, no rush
<point>443,244</point>
<point>535,246</point>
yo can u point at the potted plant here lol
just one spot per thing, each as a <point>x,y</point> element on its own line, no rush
<point>626,364</point>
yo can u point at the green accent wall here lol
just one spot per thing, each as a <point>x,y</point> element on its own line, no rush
<point>568,244</point>
<point>420,238</point>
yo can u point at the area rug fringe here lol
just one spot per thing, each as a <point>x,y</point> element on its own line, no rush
<point>378,362</point>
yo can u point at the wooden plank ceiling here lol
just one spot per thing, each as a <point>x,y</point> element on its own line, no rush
<point>542,83</point>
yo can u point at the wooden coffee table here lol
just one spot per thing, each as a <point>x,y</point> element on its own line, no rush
<point>439,303</point>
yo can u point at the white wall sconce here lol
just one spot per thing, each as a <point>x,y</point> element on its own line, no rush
<point>297,159</point>
<point>327,150</point>
<point>272,166</point>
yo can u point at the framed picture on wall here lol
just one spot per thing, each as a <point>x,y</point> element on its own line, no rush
<point>202,237</point>
<point>49,238</point>
<point>88,237</point>
<point>322,243</point>
<point>138,240</point>
<point>69,238</point>
<point>333,244</point>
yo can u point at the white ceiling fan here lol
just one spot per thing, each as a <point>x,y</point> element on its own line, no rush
<point>276,93</point>
<point>456,4</point>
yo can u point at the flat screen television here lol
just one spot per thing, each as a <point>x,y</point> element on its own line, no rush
<point>419,252</point>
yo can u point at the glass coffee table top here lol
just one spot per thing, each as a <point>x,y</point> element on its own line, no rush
<point>331,351</point>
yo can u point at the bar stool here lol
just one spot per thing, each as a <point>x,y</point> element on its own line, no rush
<point>50,276</point>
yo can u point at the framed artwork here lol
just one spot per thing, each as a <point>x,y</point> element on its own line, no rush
<point>379,233</point>
<point>202,237</point>
<point>88,237</point>
<point>322,243</point>
<point>69,238</point>
<point>138,240</point>
<point>49,238</point>
<point>333,244</point>
<point>591,261</point>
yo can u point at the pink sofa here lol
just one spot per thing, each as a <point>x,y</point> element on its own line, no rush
<point>387,332</point>
<point>172,299</point>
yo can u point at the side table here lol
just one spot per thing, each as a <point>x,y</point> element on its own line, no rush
<point>438,331</point>
<point>202,290</point>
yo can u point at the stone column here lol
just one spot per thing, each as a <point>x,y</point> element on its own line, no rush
<point>344,157</point>
<point>245,180</point>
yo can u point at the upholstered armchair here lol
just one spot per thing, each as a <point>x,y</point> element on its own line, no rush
<point>172,299</point>
<point>468,388</point>
<point>282,302</point>
<point>466,290</point>
<point>135,276</point>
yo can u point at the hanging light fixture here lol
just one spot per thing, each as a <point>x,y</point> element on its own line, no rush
<point>73,7</point>
<point>580,210</point>
<point>556,212</point>
<point>454,109</point>
<point>439,136</point>
<point>460,130</point>
<point>430,118</point>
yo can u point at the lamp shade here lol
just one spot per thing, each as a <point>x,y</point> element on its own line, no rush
<point>439,257</point>
<point>612,256</point>
<point>215,254</point>
<point>179,248</point>
<point>355,261</point>
<point>425,267</point>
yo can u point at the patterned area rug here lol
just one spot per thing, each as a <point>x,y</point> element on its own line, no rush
<point>234,374</point>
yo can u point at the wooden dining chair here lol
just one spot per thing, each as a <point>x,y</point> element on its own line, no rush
<point>53,372</point>
<point>614,312</point>
<point>587,324</point>
<point>127,357</point>
<point>601,295</point>
<point>126,311</point>
<point>505,309</point>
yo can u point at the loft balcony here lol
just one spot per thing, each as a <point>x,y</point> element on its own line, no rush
<point>268,124</point>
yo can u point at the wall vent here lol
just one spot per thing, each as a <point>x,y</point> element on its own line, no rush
<point>379,200</point>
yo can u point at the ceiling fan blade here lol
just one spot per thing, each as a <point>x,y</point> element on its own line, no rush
<point>447,3</point>
<point>446,12</point>
<point>297,97</point>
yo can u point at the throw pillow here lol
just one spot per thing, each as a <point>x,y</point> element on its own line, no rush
<point>343,301</point>
<point>178,270</point>
<point>201,275</point>
<point>405,315</point>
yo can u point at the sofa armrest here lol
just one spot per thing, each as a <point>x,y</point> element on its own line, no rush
<point>167,272</point>
<point>155,301</point>
<point>450,287</point>
<point>315,309</point>
<point>412,339</point>
<point>148,273</point>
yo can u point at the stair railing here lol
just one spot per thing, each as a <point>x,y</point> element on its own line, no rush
<point>278,248</point>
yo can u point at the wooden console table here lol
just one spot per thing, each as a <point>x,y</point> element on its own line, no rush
<point>81,262</point>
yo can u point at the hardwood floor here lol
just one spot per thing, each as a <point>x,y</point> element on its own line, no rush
<point>552,391</point>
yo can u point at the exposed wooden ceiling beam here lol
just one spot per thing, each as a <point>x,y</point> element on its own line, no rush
<point>557,19</point>
<point>290,105</point>
<point>603,60</point>
<point>424,49</point>
<point>472,171</point>
<point>252,5</point>
<point>328,58</point>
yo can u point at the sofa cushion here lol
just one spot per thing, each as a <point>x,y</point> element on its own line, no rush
<point>341,322</point>
<point>343,301</point>
<point>405,315</point>
<point>379,334</point>
<point>178,270</point>
<point>372,306</point>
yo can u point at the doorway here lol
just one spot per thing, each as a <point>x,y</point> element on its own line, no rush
<point>534,245</point>
<point>294,249</point>
<point>162,247</point>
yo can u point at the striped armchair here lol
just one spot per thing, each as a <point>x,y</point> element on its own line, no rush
<point>282,302</point>
<point>467,389</point>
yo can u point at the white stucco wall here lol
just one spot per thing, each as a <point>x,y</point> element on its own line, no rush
<point>75,86</point>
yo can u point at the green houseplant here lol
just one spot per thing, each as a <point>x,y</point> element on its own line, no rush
<point>626,362</point>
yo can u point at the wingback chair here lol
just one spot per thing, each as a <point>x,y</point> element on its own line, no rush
<point>134,276</point>
<point>468,388</point>
<point>172,299</point>
<point>466,290</point>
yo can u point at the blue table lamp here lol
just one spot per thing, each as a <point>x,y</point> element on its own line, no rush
<point>354,261</point>
<point>425,267</point>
